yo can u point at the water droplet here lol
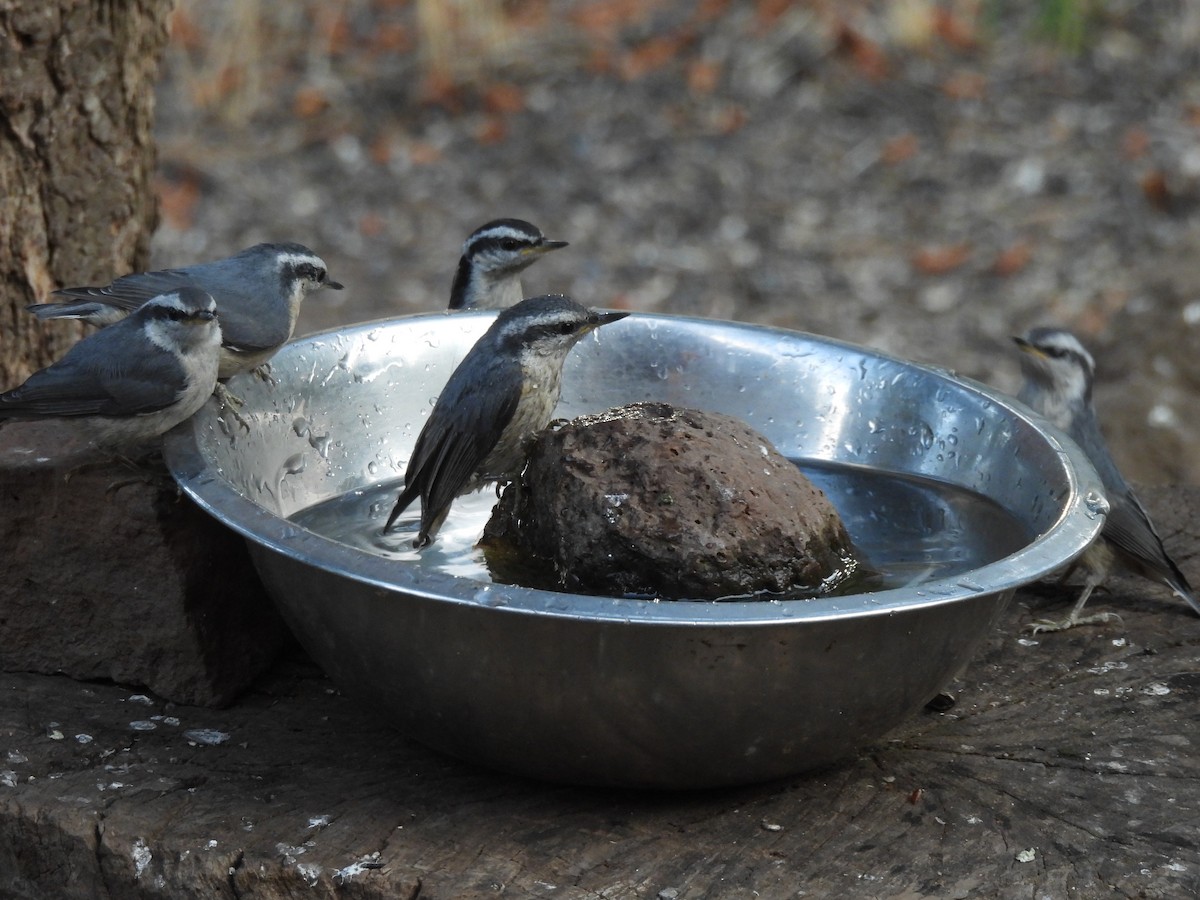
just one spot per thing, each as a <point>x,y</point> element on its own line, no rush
<point>295,464</point>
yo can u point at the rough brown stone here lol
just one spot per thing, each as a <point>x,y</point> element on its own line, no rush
<point>649,499</point>
<point>110,573</point>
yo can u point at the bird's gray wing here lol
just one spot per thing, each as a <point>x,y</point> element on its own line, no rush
<point>1127,527</point>
<point>251,306</point>
<point>131,291</point>
<point>251,319</point>
<point>466,423</point>
<point>90,381</point>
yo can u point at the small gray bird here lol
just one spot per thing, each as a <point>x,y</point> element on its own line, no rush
<point>129,383</point>
<point>501,395</point>
<point>258,294</point>
<point>1059,374</point>
<point>493,258</point>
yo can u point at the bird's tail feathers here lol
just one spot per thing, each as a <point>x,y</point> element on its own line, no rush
<point>407,496</point>
<point>1184,591</point>
<point>89,310</point>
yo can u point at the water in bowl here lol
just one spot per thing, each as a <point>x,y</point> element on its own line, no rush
<point>908,530</point>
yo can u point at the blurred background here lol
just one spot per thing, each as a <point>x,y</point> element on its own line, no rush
<point>927,178</point>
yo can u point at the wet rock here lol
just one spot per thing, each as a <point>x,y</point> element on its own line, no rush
<point>109,573</point>
<point>677,503</point>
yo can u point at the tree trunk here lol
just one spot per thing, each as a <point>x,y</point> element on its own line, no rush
<point>76,158</point>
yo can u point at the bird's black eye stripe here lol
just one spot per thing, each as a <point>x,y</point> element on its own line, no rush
<point>171,312</point>
<point>308,270</point>
<point>510,244</point>
<point>566,328</point>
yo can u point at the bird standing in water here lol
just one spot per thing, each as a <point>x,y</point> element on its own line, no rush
<point>501,395</point>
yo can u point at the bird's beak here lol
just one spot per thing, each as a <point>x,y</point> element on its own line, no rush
<point>544,247</point>
<point>1026,347</point>
<point>330,283</point>
<point>605,317</point>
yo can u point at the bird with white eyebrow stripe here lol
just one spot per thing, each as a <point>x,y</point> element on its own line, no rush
<point>493,257</point>
<point>127,384</point>
<point>1059,374</point>
<point>258,293</point>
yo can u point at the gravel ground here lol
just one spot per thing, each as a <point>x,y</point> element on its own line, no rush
<point>925,179</point>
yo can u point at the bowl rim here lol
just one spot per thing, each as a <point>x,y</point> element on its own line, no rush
<point>1077,525</point>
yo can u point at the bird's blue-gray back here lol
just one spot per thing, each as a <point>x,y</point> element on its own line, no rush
<point>452,448</point>
<point>91,380</point>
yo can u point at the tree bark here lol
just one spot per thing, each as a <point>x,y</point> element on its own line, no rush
<point>77,157</point>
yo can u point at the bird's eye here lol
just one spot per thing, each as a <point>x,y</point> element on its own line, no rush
<point>512,245</point>
<point>566,328</point>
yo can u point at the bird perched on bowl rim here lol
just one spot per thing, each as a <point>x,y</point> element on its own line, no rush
<point>258,293</point>
<point>1059,375</point>
<point>498,398</point>
<point>493,257</point>
<point>129,383</point>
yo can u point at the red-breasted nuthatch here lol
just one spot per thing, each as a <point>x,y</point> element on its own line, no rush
<point>258,294</point>
<point>1059,374</point>
<point>133,381</point>
<point>500,396</point>
<point>493,257</point>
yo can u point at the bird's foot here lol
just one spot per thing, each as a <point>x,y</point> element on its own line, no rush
<point>263,373</point>
<point>1045,625</point>
<point>231,403</point>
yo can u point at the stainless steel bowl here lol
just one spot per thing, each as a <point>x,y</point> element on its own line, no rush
<point>614,691</point>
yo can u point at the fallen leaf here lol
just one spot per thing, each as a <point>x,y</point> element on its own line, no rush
<point>371,224</point>
<point>1135,142</point>
<point>866,55</point>
<point>730,119</point>
<point>336,30</point>
<point>438,88</point>
<point>308,101</point>
<point>177,199</point>
<point>391,37</point>
<point>600,60</point>
<point>702,76</point>
<point>1012,259</point>
<point>1155,188</point>
<point>941,258</point>
<point>965,84</point>
<point>954,29</point>
<point>381,149</point>
<point>422,153</point>
<point>492,131</point>
<point>184,31</point>
<point>899,149</point>
<point>603,18</point>
<point>768,12</point>
<point>503,97</point>
<point>649,56</point>
<point>708,10</point>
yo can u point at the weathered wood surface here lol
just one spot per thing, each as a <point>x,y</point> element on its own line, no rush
<point>1068,768</point>
<point>109,572</point>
